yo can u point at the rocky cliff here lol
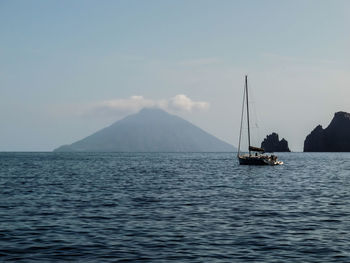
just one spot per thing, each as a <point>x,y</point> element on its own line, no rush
<point>272,144</point>
<point>335,138</point>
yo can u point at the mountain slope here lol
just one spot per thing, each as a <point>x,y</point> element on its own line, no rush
<point>150,130</point>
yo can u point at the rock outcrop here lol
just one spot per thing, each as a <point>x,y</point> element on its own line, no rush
<point>335,138</point>
<point>150,130</point>
<point>272,144</point>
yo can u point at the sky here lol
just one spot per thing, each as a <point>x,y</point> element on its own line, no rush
<point>69,68</point>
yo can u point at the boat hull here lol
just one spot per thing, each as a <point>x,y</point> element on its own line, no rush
<point>258,160</point>
<point>251,160</point>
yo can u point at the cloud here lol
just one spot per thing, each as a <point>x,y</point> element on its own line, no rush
<point>183,103</point>
<point>133,104</point>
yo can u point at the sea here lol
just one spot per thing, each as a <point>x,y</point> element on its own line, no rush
<point>173,207</point>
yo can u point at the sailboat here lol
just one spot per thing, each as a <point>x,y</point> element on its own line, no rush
<point>255,155</point>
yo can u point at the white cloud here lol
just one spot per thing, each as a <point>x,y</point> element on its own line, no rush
<point>184,103</point>
<point>135,103</point>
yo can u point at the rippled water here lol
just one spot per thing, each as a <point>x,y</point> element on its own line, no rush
<point>168,207</point>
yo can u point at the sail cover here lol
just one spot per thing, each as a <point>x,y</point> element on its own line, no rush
<point>256,149</point>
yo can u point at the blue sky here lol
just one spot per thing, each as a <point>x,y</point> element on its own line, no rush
<point>61,62</point>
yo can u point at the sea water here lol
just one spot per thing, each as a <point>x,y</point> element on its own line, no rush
<point>173,207</point>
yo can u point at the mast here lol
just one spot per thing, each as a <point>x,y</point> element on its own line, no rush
<point>246,90</point>
<point>240,131</point>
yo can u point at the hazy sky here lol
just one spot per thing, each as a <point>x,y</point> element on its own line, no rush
<point>69,68</point>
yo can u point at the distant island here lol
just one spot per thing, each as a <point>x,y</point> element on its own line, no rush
<point>335,138</point>
<point>150,130</point>
<point>272,144</point>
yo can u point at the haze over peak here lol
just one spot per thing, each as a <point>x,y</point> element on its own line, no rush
<point>152,111</point>
<point>150,130</point>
